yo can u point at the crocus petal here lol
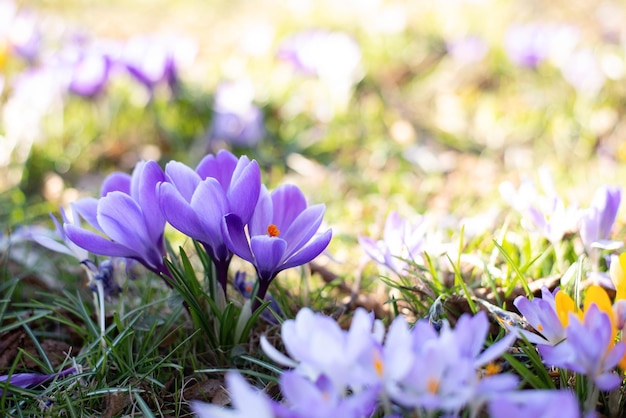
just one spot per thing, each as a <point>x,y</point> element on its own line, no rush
<point>288,203</point>
<point>607,381</point>
<point>268,253</point>
<point>275,355</point>
<point>496,349</point>
<point>87,208</point>
<point>220,166</point>
<point>117,213</point>
<point>235,237</point>
<point>117,181</point>
<point>179,212</point>
<point>303,227</point>
<point>608,200</point>
<point>143,191</point>
<point>263,213</point>
<point>210,204</point>
<point>52,245</point>
<point>372,248</point>
<point>183,178</point>
<point>96,244</point>
<point>310,251</point>
<point>244,190</point>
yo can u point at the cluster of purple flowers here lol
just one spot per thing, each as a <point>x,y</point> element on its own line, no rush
<point>582,340</point>
<point>402,242</point>
<point>548,214</point>
<point>83,66</point>
<point>418,370</point>
<point>222,204</point>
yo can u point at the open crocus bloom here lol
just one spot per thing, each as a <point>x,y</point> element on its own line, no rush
<point>127,221</point>
<point>597,221</point>
<point>194,202</point>
<point>282,233</point>
<point>541,313</point>
<point>402,240</point>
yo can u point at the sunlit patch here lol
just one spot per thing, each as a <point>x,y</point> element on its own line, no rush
<point>273,230</point>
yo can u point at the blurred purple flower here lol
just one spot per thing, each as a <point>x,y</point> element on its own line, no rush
<point>595,223</point>
<point>468,49</point>
<point>149,61</point>
<point>152,60</point>
<point>29,380</point>
<point>322,53</point>
<point>528,45</point>
<point>246,400</point>
<point>401,241</point>
<point>588,349</point>
<point>321,398</point>
<point>128,216</point>
<point>90,74</point>
<point>541,314</point>
<point>236,119</point>
<point>443,372</point>
<point>552,219</point>
<point>195,202</point>
<point>535,404</point>
<point>104,274</point>
<point>317,346</point>
<point>24,35</point>
<point>58,241</point>
<point>282,233</point>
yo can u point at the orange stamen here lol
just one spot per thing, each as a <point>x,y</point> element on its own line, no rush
<point>492,368</point>
<point>378,363</point>
<point>273,230</point>
<point>432,386</point>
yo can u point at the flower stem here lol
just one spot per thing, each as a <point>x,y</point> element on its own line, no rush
<point>592,398</point>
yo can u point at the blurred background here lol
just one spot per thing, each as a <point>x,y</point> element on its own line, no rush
<point>368,105</point>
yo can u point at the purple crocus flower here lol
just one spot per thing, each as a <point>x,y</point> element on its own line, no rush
<point>553,219</point>
<point>321,398</point>
<point>128,216</point>
<point>247,402</point>
<point>236,119</point>
<point>29,380</point>
<point>103,276</point>
<point>194,202</point>
<point>529,45</point>
<point>401,240</point>
<point>596,222</point>
<point>535,404</point>
<point>588,349</point>
<point>152,60</point>
<point>317,346</point>
<point>468,49</point>
<point>282,233</point>
<point>149,61</point>
<point>90,74</point>
<point>58,241</point>
<point>24,35</point>
<point>542,316</point>
<point>526,45</point>
<point>444,372</point>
